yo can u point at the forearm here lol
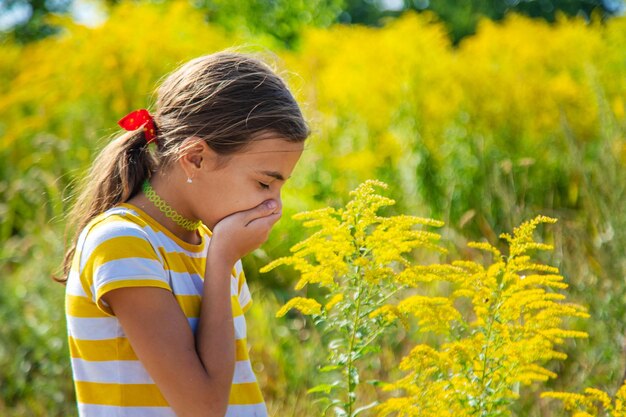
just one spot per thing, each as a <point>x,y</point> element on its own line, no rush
<point>215,338</point>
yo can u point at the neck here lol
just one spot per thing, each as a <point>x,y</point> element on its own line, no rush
<point>141,201</point>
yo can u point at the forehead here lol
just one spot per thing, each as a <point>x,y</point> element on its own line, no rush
<point>271,146</point>
<point>266,154</point>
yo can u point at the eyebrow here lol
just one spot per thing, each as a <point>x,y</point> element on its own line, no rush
<point>273,174</point>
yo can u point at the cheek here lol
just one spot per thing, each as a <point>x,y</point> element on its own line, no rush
<point>237,194</point>
<point>242,201</point>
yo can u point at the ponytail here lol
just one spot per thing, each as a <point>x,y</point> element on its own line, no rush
<point>115,176</point>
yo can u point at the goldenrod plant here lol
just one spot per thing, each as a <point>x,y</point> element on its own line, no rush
<point>592,402</point>
<point>503,340</point>
<point>356,255</point>
<point>509,330</point>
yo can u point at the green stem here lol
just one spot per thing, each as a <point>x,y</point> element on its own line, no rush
<point>371,339</point>
<point>493,310</point>
<point>381,329</point>
<point>355,325</point>
<point>482,378</point>
<point>379,302</point>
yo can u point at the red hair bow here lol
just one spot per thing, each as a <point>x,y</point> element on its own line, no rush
<point>140,119</point>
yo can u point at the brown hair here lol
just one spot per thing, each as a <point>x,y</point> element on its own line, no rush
<point>225,98</point>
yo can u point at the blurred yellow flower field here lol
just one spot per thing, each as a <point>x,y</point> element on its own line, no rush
<point>523,118</point>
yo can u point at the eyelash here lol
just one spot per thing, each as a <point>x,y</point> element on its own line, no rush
<point>263,185</point>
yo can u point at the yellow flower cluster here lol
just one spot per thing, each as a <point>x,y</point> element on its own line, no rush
<point>320,258</point>
<point>592,403</point>
<point>435,314</point>
<point>356,242</point>
<point>304,305</point>
<point>504,339</point>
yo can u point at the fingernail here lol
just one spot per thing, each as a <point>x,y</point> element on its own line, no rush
<point>271,204</point>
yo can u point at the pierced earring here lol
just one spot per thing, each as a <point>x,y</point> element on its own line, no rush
<point>189,181</point>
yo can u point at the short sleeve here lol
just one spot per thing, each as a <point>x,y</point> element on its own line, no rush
<point>245,298</point>
<point>118,254</point>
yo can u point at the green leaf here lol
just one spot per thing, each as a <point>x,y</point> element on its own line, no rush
<point>325,388</point>
<point>329,368</point>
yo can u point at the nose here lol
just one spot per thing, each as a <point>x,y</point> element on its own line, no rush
<point>279,201</point>
<point>277,197</point>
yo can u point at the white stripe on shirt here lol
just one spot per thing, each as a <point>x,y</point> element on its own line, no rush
<point>247,410</point>
<point>243,373</point>
<point>74,285</point>
<point>99,328</point>
<point>110,372</point>
<point>117,270</point>
<point>96,410</point>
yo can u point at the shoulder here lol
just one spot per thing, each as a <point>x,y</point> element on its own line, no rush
<point>116,252</point>
<point>117,222</point>
<point>116,233</point>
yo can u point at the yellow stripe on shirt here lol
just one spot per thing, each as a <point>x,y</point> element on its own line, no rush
<point>78,306</point>
<point>117,248</point>
<point>183,262</point>
<point>102,350</point>
<point>190,304</point>
<point>125,395</point>
<point>235,306</point>
<point>241,350</point>
<point>247,393</point>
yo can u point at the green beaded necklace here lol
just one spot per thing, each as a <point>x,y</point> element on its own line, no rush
<point>186,224</point>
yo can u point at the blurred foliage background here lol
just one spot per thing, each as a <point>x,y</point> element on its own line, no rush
<point>473,114</point>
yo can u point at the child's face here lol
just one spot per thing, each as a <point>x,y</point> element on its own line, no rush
<point>246,179</point>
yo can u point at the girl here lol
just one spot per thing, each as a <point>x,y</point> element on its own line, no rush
<point>155,290</point>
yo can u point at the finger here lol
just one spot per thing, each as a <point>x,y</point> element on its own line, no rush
<point>265,222</point>
<point>264,209</point>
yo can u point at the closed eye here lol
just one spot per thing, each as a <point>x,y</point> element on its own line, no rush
<point>263,185</point>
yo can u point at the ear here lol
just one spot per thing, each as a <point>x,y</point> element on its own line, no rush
<point>195,155</point>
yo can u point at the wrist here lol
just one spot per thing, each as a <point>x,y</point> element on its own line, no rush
<point>219,258</point>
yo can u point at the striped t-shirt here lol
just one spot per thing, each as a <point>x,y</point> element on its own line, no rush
<point>124,247</point>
